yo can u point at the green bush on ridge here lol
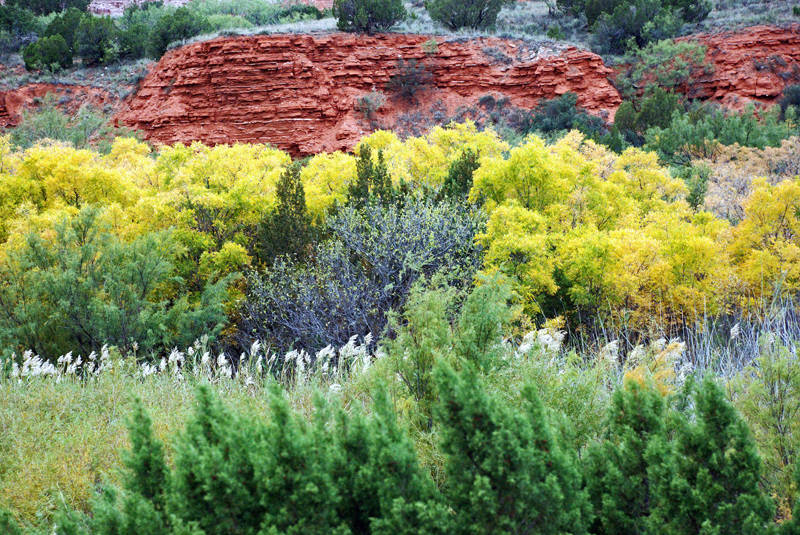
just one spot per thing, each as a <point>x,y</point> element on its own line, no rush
<point>368,16</point>
<point>457,14</point>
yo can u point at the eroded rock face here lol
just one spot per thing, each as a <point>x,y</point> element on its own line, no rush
<point>70,97</point>
<point>298,92</point>
<point>752,65</point>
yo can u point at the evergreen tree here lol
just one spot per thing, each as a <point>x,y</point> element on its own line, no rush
<point>215,482</point>
<point>459,176</point>
<point>66,25</point>
<point>8,524</point>
<point>147,470</point>
<point>617,469</point>
<point>457,14</point>
<point>383,488</point>
<point>95,40</point>
<point>707,482</point>
<point>372,179</point>
<point>506,469</point>
<point>142,508</point>
<point>293,474</point>
<point>287,230</point>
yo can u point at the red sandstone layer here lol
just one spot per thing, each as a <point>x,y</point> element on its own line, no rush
<point>298,92</point>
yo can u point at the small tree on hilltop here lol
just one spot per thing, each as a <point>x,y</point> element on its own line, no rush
<point>368,16</point>
<point>455,14</point>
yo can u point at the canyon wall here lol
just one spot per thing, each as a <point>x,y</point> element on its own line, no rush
<point>751,65</point>
<point>298,92</point>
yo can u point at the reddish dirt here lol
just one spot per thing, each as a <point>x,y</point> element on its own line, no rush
<point>70,97</point>
<point>298,92</point>
<point>752,65</point>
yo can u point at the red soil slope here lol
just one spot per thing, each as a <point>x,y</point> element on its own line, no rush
<point>752,65</point>
<point>298,91</point>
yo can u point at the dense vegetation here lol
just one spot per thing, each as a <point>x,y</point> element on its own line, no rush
<point>540,323</point>
<point>68,32</point>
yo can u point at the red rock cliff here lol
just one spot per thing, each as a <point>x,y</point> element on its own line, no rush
<point>751,65</point>
<point>298,91</point>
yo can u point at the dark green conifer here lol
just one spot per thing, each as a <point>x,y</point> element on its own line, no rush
<point>506,469</point>
<point>707,480</point>
<point>287,230</point>
<point>215,482</point>
<point>458,181</point>
<point>383,488</point>
<point>617,469</point>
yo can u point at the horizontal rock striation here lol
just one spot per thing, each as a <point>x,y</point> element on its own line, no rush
<point>751,65</point>
<point>298,92</point>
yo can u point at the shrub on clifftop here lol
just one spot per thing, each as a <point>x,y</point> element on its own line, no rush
<point>456,14</point>
<point>368,16</point>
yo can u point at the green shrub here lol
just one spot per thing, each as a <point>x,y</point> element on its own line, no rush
<point>86,127</point>
<point>85,288</point>
<point>507,468</point>
<point>708,479</point>
<point>458,181</point>
<point>668,64</point>
<point>287,230</point>
<point>409,78</point>
<point>45,7</point>
<point>66,25</point>
<point>95,40</point>
<point>790,97</point>
<point>552,116</point>
<point>634,24</point>
<point>423,337</point>
<point>368,16</point>
<point>372,181</point>
<point>18,28</point>
<point>176,26</point>
<point>8,525</point>
<point>219,22</point>
<point>617,468</point>
<point>696,178</point>
<point>696,134</point>
<point>51,53</point>
<point>657,109</point>
<point>772,381</point>
<point>457,14</point>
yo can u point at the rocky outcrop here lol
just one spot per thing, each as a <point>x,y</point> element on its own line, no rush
<point>298,92</point>
<point>70,97</point>
<point>751,65</point>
